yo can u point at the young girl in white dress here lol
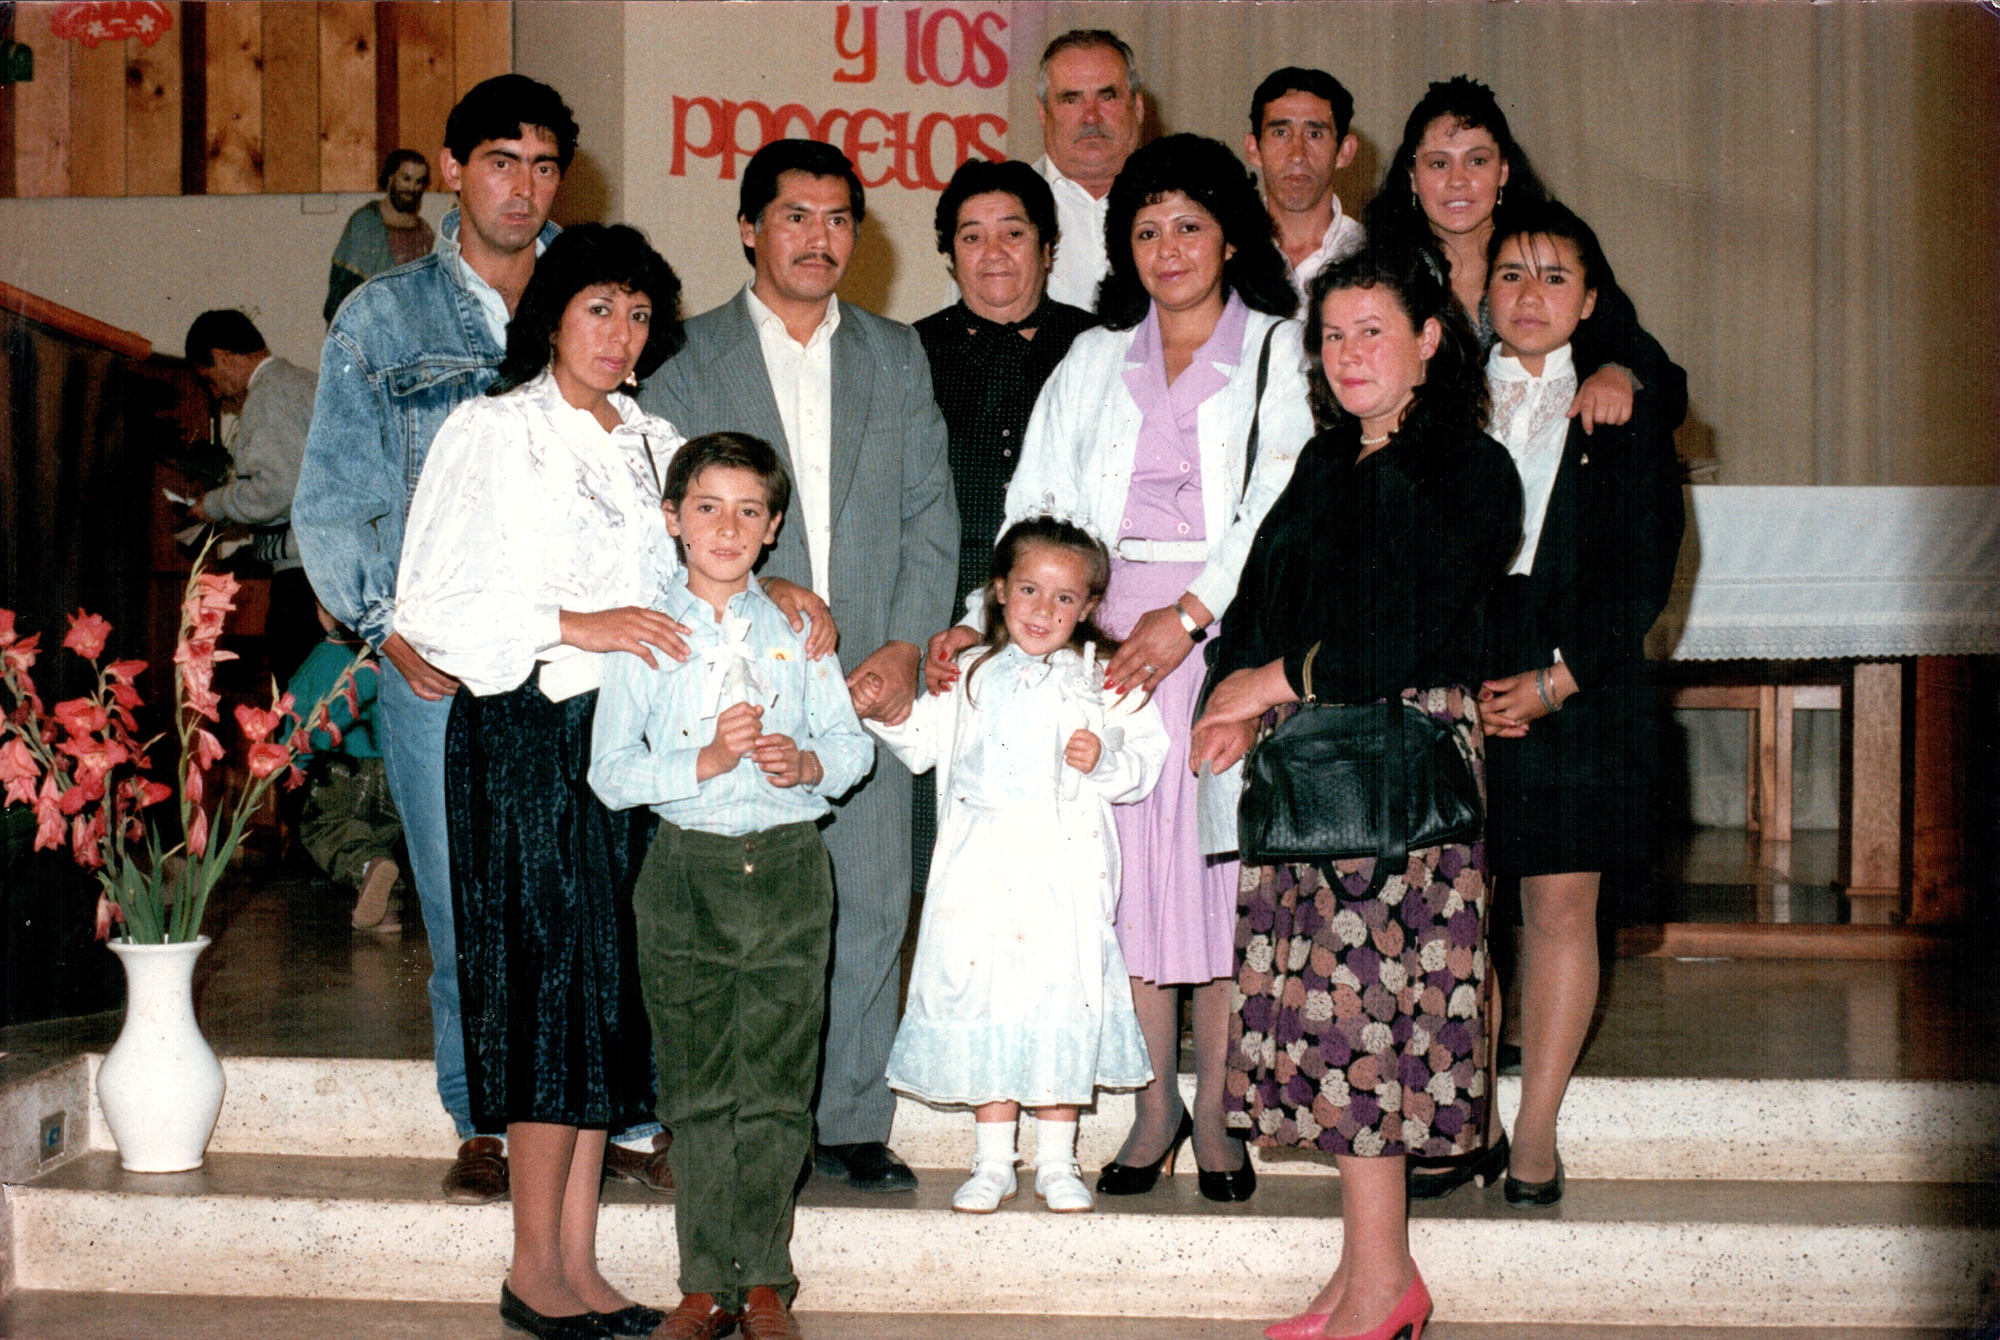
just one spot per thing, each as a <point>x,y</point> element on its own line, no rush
<point>1018,995</point>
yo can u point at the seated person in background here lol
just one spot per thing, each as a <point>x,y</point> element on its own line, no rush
<point>272,401</point>
<point>738,750</point>
<point>385,233</point>
<point>350,826</point>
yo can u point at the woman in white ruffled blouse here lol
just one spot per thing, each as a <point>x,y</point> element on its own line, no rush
<point>535,545</point>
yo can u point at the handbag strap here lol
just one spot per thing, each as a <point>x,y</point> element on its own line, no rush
<point>1257,406</point>
<point>1394,825</point>
<point>1306,675</point>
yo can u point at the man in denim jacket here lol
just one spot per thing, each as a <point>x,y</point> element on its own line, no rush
<point>405,350</point>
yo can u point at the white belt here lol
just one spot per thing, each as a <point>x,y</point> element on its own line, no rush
<point>1163,551</point>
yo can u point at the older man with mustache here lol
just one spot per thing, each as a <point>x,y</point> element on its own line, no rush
<point>845,397</point>
<point>1090,111</point>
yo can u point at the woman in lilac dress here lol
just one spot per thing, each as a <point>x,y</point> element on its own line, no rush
<point>1142,433</point>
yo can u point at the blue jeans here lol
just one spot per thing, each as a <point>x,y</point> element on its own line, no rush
<point>410,730</point>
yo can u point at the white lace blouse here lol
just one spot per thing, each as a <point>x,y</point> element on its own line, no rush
<point>528,507</point>
<point>1531,420</point>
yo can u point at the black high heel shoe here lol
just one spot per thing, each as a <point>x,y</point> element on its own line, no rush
<point>577,1326</point>
<point>1533,1195</point>
<point>1229,1186</point>
<point>1136,1179</point>
<point>1428,1181</point>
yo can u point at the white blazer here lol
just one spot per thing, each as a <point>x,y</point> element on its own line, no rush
<point>1084,435</point>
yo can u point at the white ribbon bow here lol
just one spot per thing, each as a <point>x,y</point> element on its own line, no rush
<point>732,672</point>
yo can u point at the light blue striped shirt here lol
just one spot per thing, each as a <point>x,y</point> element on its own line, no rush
<point>650,725</point>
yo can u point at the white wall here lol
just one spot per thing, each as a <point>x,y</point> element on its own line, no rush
<point>153,263</point>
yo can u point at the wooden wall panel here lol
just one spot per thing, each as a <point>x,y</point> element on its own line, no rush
<point>97,119</point>
<point>235,78</point>
<point>153,112</point>
<point>347,160</point>
<point>41,107</point>
<point>291,96</point>
<point>482,43</point>
<point>424,85</point>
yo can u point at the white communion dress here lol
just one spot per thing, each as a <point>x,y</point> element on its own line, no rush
<point>1019,991</point>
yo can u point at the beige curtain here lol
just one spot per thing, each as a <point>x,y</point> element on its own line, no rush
<point>1801,199</point>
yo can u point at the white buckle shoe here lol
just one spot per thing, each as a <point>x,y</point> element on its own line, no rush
<point>990,1186</point>
<point>1062,1189</point>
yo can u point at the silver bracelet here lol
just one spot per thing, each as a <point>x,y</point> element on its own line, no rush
<point>1549,704</point>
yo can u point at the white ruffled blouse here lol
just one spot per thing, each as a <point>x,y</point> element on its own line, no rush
<point>528,507</point>
<point>1531,420</point>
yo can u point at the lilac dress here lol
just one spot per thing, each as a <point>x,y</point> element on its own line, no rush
<point>1177,908</point>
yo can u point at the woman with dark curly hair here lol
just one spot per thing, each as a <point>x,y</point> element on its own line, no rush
<point>1459,165</point>
<point>1360,1032</point>
<point>1143,432</point>
<point>535,544</point>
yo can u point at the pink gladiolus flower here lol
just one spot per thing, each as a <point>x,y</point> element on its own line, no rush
<point>84,836</point>
<point>207,749</point>
<point>255,722</point>
<point>6,628</point>
<point>107,913</point>
<point>86,635</point>
<point>81,717</point>
<point>48,817</point>
<point>150,793</point>
<point>267,758</point>
<point>193,785</point>
<point>294,779</point>
<point>19,772</point>
<point>124,672</point>
<point>216,591</point>
<point>18,655</point>
<point>198,833</point>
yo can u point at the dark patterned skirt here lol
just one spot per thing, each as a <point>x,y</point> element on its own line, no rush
<point>541,878</point>
<point>1358,1026</point>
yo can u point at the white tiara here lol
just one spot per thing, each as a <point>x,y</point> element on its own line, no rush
<point>1052,512</point>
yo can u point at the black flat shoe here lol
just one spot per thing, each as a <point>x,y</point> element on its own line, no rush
<point>1426,1180</point>
<point>1531,1195</point>
<point>1226,1187</point>
<point>1136,1179</point>
<point>870,1165</point>
<point>578,1326</point>
<point>1509,1060</point>
<point>636,1320</point>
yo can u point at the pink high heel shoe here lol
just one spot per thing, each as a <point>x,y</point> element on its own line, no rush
<point>1305,1326</point>
<point>1406,1322</point>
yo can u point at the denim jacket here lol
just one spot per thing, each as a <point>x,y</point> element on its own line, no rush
<point>405,350</point>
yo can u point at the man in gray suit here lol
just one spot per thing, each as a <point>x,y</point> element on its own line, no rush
<point>845,397</point>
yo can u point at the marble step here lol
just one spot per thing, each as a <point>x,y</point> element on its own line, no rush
<point>1647,1129</point>
<point>86,1316</point>
<point>1626,1252</point>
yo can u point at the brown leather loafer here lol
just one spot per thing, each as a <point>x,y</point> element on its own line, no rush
<point>697,1318</point>
<point>479,1175</point>
<point>648,1170</point>
<point>766,1317</point>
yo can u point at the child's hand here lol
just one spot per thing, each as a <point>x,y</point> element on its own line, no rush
<point>736,734</point>
<point>866,690</point>
<point>1083,751</point>
<point>783,763</point>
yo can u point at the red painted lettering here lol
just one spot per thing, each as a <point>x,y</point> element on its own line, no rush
<point>879,143</point>
<point>995,72</point>
<point>713,111</point>
<point>866,55</point>
<point>913,43</point>
<point>969,141</point>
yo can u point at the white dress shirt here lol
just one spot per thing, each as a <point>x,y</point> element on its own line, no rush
<point>1344,236</point>
<point>1080,259</point>
<point>528,507</point>
<point>1531,419</point>
<point>802,384</point>
<point>491,305</point>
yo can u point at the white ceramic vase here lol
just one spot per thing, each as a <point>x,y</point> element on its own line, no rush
<point>160,1086</point>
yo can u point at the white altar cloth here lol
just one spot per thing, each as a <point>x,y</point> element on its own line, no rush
<point>1806,572</point>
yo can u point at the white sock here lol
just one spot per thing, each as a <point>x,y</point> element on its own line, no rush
<point>996,1142</point>
<point>1055,1143</point>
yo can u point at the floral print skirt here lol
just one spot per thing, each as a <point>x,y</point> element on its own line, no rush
<point>1358,1024</point>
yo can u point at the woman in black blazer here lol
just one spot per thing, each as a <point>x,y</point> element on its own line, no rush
<point>1570,718</point>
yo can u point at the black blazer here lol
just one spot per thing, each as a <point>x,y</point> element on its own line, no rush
<point>1603,569</point>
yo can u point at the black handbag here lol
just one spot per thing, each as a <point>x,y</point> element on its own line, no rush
<point>1338,782</point>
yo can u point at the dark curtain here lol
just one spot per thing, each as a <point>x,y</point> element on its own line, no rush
<point>73,534</point>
